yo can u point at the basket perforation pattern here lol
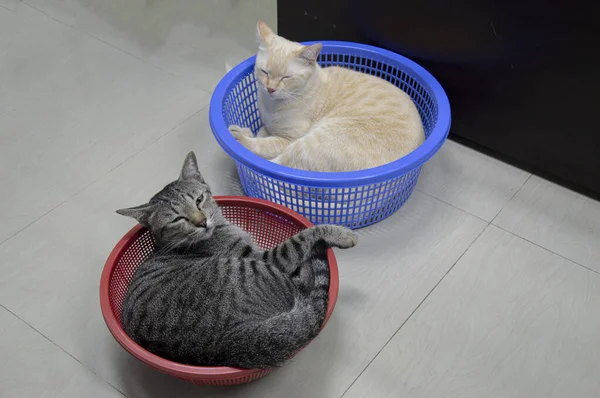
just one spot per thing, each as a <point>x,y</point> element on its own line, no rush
<point>267,225</point>
<point>356,205</point>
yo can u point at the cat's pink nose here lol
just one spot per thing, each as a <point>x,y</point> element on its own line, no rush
<point>270,90</point>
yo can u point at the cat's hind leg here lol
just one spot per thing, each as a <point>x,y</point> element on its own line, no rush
<point>273,341</point>
<point>270,343</point>
<point>290,254</point>
<point>298,256</point>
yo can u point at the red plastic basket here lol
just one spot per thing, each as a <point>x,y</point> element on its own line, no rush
<point>268,223</point>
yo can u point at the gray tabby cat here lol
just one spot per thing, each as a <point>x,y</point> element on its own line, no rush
<point>209,296</point>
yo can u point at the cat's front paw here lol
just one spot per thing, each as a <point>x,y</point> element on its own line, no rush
<point>342,237</point>
<point>240,132</point>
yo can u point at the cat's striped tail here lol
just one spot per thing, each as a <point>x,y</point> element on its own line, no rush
<point>271,342</point>
<point>318,298</point>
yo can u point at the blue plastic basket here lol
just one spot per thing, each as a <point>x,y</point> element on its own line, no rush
<point>354,199</point>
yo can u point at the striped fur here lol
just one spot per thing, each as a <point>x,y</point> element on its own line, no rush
<point>209,296</point>
<point>326,119</point>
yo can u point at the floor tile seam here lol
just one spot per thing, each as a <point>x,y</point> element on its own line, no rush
<point>417,307</point>
<point>147,146</point>
<point>7,9</point>
<point>150,144</point>
<point>75,28</point>
<point>546,249</point>
<point>33,222</point>
<point>511,198</point>
<point>60,348</point>
<point>453,206</point>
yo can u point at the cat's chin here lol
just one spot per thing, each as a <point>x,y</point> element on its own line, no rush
<point>207,233</point>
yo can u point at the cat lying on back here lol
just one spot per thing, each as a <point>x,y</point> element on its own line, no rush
<point>211,297</point>
<point>325,119</point>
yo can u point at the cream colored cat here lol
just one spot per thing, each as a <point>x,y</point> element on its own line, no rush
<point>325,119</point>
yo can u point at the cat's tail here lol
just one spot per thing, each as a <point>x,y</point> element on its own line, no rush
<point>318,298</point>
<point>270,343</point>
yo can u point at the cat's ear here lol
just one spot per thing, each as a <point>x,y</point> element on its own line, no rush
<point>190,169</point>
<point>309,54</point>
<point>264,34</point>
<point>140,213</point>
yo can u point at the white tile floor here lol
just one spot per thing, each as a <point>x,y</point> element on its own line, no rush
<point>485,284</point>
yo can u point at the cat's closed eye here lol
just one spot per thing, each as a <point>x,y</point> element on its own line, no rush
<point>265,72</point>
<point>286,77</point>
<point>180,218</point>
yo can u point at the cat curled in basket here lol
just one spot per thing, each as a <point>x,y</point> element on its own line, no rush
<point>210,297</point>
<point>325,119</point>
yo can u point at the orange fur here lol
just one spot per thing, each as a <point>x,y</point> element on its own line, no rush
<point>326,119</point>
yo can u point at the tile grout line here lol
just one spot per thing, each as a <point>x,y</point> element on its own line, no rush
<point>546,249</point>
<point>144,148</point>
<point>33,222</point>
<point>505,230</point>
<point>443,277</point>
<point>453,206</point>
<point>70,197</point>
<point>103,175</point>
<point>109,44</point>
<point>92,36</point>
<point>475,215</point>
<point>511,198</point>
<point>7,9</point>
<point>417,307</point>
<point>489,223</point>
<point>63,350</point>
<point>529,241</point>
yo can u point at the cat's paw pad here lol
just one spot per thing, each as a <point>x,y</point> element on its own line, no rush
<point>240,132</point>
<point>343,237</point>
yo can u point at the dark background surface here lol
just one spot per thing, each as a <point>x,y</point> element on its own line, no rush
<point>523,78</point>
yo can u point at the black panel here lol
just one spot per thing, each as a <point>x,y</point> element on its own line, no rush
<point>523,77</point>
